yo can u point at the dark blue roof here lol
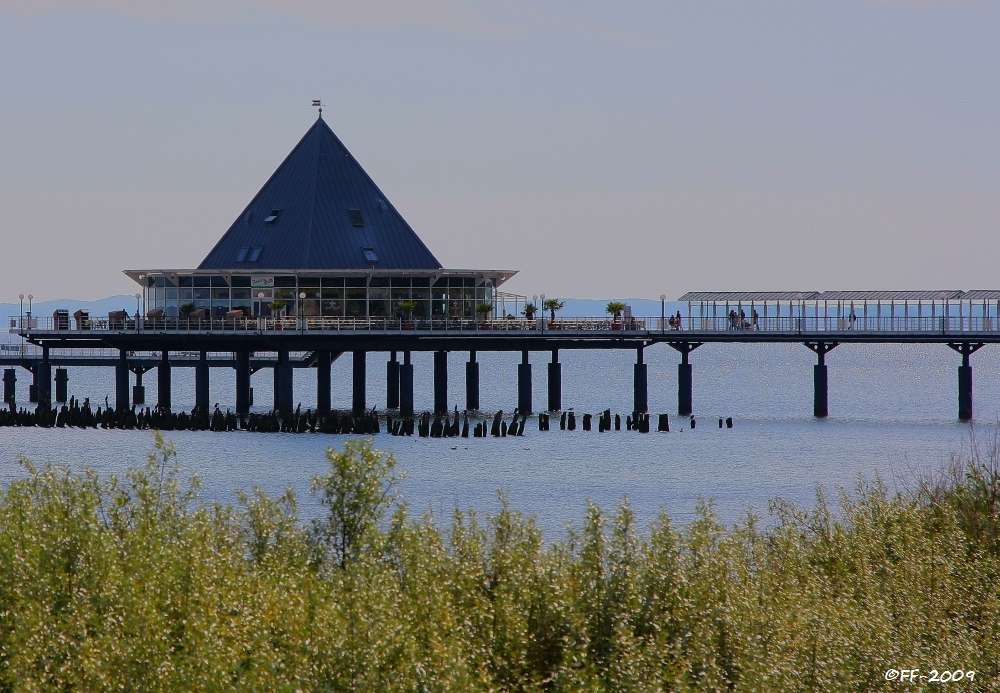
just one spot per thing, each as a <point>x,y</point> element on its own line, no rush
<point>329,215</point>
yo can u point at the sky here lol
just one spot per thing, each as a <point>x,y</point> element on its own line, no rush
<point>625,149</point>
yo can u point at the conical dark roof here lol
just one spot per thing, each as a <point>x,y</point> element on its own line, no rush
<point>320,210</point>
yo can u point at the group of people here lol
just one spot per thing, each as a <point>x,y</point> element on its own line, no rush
<point>738,321</point>
<point>674,321</point>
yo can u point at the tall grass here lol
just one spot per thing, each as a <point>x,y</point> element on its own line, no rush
<point>137,584</point>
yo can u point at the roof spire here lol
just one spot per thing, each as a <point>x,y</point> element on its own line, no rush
<point>318,103</point>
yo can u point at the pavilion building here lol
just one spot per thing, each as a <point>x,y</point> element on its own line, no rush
<point>321,238</point>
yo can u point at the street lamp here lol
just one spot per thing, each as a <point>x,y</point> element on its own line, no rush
<point>302,298</point>
<point>542,297</point>
<point>29,310</point>
<point>20,318</point>
<point>138,297</point>
<point>663,311</point>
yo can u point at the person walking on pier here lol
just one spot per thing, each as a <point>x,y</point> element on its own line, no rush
<point>754,317</point>
<point>852,319</point>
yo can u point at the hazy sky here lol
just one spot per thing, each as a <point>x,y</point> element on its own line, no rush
<point>604,149</point>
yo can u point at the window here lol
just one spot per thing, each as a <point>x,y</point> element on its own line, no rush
<point>370,255</point>
<point>356,218</point>
<point>255,254</point>
<point>271,218</point>
<point>242,255</point>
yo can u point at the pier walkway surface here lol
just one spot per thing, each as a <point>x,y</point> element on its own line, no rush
<point>965,321</point>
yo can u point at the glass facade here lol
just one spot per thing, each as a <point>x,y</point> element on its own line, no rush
<point>321,296</point>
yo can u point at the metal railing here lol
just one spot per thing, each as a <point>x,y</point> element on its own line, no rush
<point>809,324</point>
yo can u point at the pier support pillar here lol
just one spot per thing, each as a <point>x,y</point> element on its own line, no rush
<point>163,382</point>
<point>242,383</point>
<point>555,382</point>
<point>62,386</point>
<point>685,400</point>
<point>360,371</point>
<point>640,385</point>
<point>283,394</point>
<point>45,379</point>
<point>121,381</point>
<point>406,386</point>
<point>524,384</point>
<point>821,406</point>
<point>392,383</point>
<point>440,382</point>
<point>966,349</point>
<point>323,382</point>
<point>472,383</point>
<point>201,392</point>
<point>9,385</point>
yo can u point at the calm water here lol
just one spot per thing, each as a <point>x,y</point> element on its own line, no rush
<point>893,412</point>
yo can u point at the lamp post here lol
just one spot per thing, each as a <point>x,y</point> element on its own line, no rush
<point>798,297</point>
<point>944,316</point>
<point>138,297</point>
<point>29,310</point>
<point>20,317</point>
<point>663,311</point>
<point>542,297</point>
<point>302,298</point>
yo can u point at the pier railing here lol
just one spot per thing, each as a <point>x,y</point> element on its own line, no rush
<point>786,325</point>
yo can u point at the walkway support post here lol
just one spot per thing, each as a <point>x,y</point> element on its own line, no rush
<point>524,384</point>
<point>201,393</point>
<point>472,383</point>
<point>163,382</point>
<point>45,379</point>
<point>139,390</point>
<point>9,385</point>
<point>121,381</point>
<point>359,399</point>
<point>966,349</point>
<point>821,403</point>
<point>640,384</point>
<point>392,383</point>
<point>323,381</point>
<point>685,399</point>
<point>440,382</point>
<point>283,383</point>
<point>62,386</point>
<point>242,383</point>
<point>555,382</point>
<point>406,386</point>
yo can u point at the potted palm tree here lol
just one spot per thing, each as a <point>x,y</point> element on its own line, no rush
<point>408,307</point>
<point>278,311</point>
<point>552,305</point>
<point>529,311</point>
<point>616,308</point>
<point>482,311</point>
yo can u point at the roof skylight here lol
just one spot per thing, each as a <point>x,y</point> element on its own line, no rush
<point>272,217</point>
<point>370,255</point>
<point>242,255</point>
<point>356,218</point>
<point>255,254</point>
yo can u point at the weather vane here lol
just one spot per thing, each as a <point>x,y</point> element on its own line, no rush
<point>317,103</point>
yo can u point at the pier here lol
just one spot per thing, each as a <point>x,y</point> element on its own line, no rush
<point>320,264</point>
<point>964,321</point>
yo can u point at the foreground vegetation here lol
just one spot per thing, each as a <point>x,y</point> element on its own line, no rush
<point>137,584</point>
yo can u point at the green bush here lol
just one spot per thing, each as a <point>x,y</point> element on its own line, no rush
<point>136,583</point>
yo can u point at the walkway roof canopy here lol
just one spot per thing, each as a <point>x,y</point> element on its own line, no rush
<point>939,295</point>
<point>874,296</point>
<point>982,295</point>
<point>747,296</point>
